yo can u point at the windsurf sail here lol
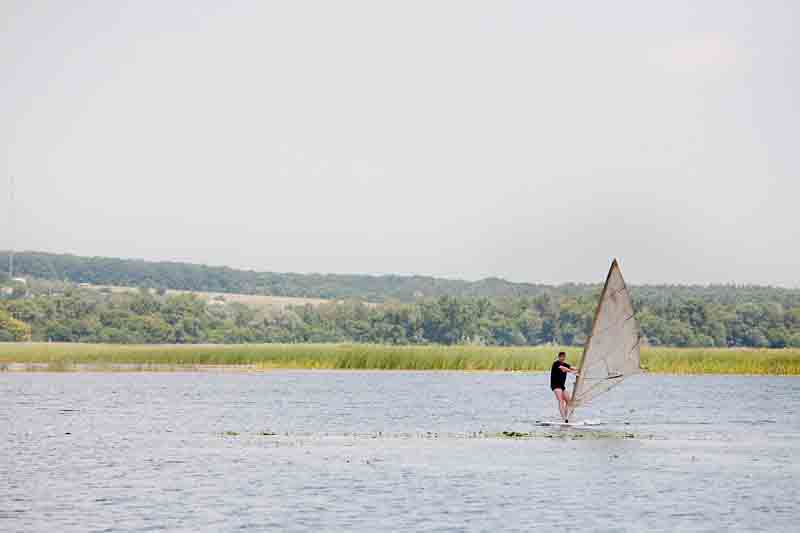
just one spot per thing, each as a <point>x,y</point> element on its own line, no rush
<point>611,352</point>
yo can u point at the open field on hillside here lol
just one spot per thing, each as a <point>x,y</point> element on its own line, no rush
<point>254,300</point>
<point>69,356</point>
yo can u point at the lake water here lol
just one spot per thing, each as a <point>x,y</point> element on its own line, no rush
<point>393,451</point>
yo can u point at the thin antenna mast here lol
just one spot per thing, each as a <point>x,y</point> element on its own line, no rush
<point>11,226</point>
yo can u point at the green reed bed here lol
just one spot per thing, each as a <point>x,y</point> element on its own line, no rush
<point>332,356</point>
<point>69,356</point>
<point>722,361</point>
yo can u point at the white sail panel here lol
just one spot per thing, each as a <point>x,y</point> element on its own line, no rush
<point>611,352</point>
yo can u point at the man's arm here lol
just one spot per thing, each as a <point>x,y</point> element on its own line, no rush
<point>570,370</point>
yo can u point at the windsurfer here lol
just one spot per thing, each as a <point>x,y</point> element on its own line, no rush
<point>558,380</point>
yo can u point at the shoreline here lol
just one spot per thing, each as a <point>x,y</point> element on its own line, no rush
<point>77,357</point>
<point>162,368</point>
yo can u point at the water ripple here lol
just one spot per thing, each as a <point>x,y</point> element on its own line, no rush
<point>298,451</point>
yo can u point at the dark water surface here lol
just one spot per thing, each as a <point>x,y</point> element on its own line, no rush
<point>393,451</point>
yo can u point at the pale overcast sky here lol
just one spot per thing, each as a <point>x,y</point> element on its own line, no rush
<point>532,141</point>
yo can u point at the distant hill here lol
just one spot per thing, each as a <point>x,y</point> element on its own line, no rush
<point>194,277</point>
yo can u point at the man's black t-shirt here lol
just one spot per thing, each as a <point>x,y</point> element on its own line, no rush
<point>558,378</point>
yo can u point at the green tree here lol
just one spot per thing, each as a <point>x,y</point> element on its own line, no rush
<point>12,329</point>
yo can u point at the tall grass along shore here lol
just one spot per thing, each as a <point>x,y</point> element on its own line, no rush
<point>74,356</point>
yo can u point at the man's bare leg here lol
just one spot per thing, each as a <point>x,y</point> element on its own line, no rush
<point>562,403</point>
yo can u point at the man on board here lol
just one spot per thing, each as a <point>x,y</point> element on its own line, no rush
<point>558,381</point>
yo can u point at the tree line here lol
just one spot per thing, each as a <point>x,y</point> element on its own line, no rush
<point>194,277</point>
<point>66,313</point>
<point>408,289</point>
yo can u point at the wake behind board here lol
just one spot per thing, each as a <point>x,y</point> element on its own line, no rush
<point>561,423</point>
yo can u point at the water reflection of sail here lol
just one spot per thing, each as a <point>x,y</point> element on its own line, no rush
<point>611,352</point>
